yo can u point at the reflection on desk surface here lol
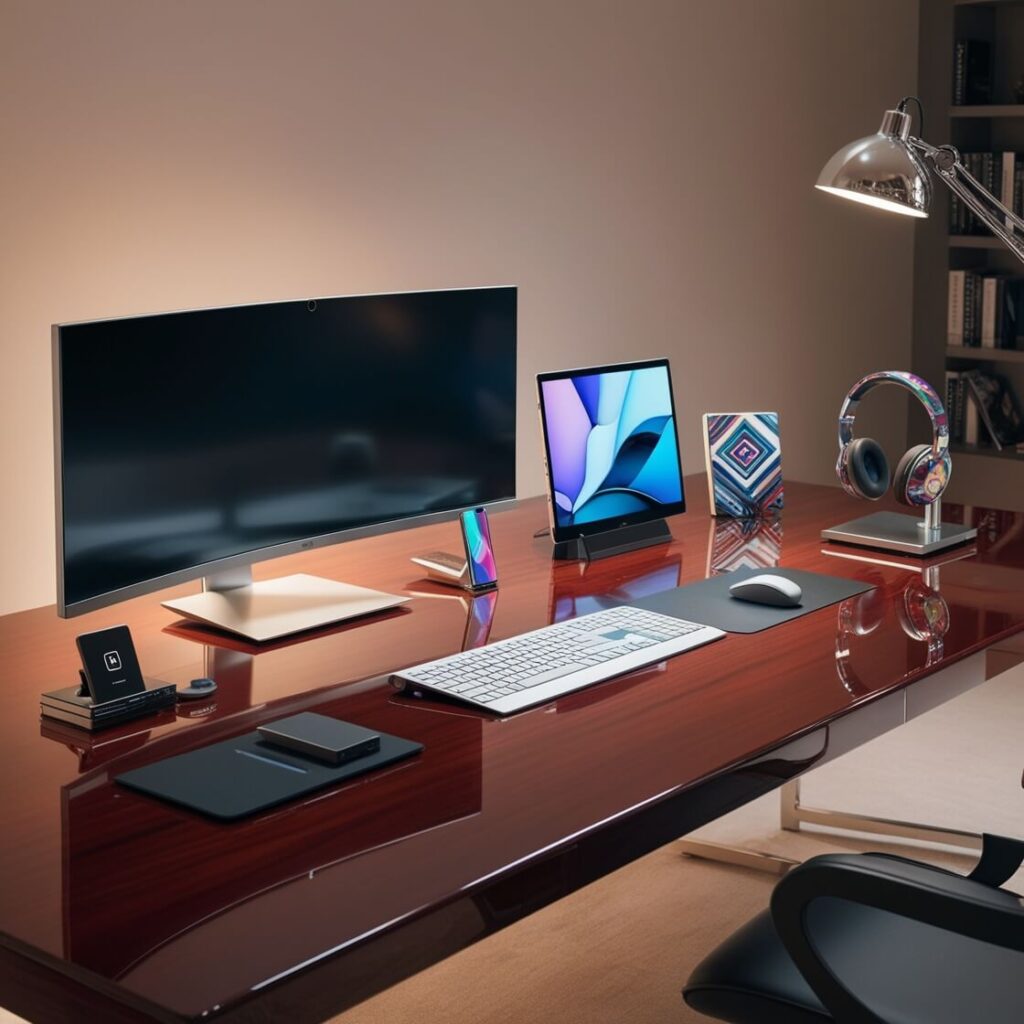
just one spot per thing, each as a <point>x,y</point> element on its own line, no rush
<point>120,908</point>
<point>920,610</point>
<point>569,595</point>
<point>744,544</point>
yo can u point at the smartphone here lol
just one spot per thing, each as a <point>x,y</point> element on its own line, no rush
<point>476,535</point>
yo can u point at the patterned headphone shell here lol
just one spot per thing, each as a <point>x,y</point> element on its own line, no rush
<point>923,472</point>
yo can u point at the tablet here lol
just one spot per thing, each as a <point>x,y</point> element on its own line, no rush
<point>610,448</point>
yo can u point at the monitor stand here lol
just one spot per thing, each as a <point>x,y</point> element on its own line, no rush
<point>613,542</point>
<point>269,609</point>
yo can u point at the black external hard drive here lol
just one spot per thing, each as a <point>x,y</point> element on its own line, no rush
<point>325,739</point>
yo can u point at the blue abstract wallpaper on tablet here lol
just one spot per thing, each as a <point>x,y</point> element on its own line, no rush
<point>611,444</point>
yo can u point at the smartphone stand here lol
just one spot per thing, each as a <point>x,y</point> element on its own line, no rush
<point>449,569</point>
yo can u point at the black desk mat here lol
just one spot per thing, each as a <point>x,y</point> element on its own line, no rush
<point>239,777</point>
<point>710,603</point>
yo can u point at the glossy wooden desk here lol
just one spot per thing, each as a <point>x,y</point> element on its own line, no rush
<point>115,907</point>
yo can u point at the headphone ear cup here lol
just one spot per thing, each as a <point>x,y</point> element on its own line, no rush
<point>912,458</point>
<point>867,468</point>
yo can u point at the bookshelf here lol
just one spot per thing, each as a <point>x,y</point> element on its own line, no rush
<point>1007,454</point>
<point>984,355</point>
<point>981,474</point>
<point>989,110</point>
<point>974,242</point>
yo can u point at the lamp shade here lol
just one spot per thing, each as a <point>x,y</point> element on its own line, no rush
<point>881,170</point>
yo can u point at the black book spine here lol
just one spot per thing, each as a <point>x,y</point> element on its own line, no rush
<point>1012,325</point>
<point>971,163</point>
<point>977,72</point>
<point>959,71</point>
<point>958,427</point>
<point>970,309</point>
<point>951,382</point>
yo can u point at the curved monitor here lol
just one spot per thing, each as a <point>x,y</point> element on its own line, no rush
<point>610,446</point>
<point>192,443</point>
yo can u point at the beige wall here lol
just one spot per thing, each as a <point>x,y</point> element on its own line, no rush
<point>642,170</point>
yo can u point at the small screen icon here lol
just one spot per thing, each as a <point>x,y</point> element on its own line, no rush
<point>113,661</point>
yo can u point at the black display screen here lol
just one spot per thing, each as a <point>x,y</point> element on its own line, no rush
<point>191,437</point>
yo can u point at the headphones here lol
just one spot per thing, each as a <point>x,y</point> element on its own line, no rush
<point>922,474</point>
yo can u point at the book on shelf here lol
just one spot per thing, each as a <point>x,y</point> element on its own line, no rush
<point>998,410</point>
<point>955,308</point>
<point>952,384</point>
<point>985,310</point>
<point>962,312</point>
<point>992,293</point>
<point>972,71</point>
<point>969,411</point>
<point>1006,185</point>
<point>972,311</point>
<point>961,415</point>
<point>982,408</point>
<point>1002,173</point>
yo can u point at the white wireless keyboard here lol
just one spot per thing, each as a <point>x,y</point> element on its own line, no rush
<point>535,667</point>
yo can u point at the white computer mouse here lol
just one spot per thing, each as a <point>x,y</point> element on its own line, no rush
<point>768,589</point>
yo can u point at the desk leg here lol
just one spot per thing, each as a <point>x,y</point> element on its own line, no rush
<point>942,686</point>
<point>792,813</point>
<point>700,849</point>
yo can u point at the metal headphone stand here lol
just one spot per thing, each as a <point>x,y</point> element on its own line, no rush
<point>895,531</point>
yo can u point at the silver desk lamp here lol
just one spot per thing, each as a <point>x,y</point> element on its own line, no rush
<point>890,170</point>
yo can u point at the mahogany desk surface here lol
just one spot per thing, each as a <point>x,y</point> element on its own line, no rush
<point>116,907</point>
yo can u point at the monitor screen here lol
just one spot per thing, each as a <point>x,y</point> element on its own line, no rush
<point>610,441</point>
<point>186,439</point>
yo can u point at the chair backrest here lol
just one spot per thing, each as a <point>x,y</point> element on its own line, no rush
<point>887,941</point>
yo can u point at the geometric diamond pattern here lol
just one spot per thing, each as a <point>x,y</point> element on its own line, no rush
<point>744,463</point>
<point>744,544</point>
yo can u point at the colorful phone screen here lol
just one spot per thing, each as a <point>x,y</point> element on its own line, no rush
<point>479,554</point>
<point>478,622</point>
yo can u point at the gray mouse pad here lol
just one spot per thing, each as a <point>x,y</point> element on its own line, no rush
<point>710,603</point>
<point>244,775</point>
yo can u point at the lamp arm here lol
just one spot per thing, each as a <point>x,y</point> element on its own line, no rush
<point>945,162</point>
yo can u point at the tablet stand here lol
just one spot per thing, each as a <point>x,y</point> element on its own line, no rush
<point>613,542</point>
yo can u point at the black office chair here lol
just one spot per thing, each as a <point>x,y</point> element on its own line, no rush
<point>875,939</point>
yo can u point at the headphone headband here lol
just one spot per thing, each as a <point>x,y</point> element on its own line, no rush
<point>917,386</point>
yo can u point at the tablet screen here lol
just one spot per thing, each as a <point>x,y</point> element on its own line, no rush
<point>610,440</point>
